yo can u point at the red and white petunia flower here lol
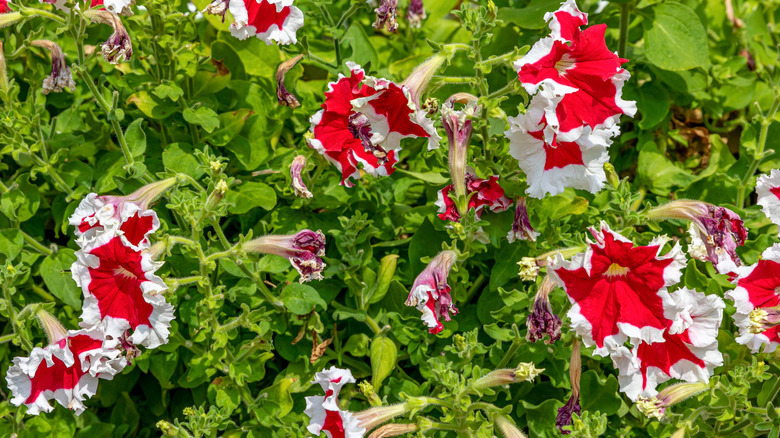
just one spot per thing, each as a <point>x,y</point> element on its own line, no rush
<point>304,249</point>
<point>756,298</point>
<point>431,294</point>
<point>554,160</point>
<point>689,350</point>
<point>483,193</point>
<point>119,7</point>
<point>619,291</point>
<point>325,414</point>
<point>269,20</point>
<point>121,291</point>
<point>126,216</point>
<point>577,67</point>
<point>67,371</point>
<point>362,123</point>
<point>4,7</point>
<point>768,191</point>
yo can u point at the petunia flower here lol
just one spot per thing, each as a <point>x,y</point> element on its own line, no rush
<point>386,15</point>
<point>304,249</point>
<point>521,227</point>
<point>755,298</point>
<point>430,292</point>
<point>268,20</point>
<point>577,67</point>
<point>67,370</point>
<point>482,193</point>
<point>618,290</point>
<point>689,350</point>
<point>119,7</point>
<point>4,8</point>
<point>415,14</point>
<point>296,168</point>
<point>122,291</point>
<point>720,229</point>
<point>656,406</point>
<point>362,123</point>
<point>127,216</point>
<point>60,77</point>
<point>768,191</point>
<point>324,412</point>
<point>118,46</point>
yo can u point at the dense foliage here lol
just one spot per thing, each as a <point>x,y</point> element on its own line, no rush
<point>192,111</point>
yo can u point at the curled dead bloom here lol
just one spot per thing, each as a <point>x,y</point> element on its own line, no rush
<point>572,406</point>
<point>283,96</point>
<point>431,294</point>
<point>386,15</point>
<point>542,320</point>
<point>655,407</point>
<point>459,128</point>
<point>304,249</point>
<point>416,13</point>
<point>521,227</point>
<point>296,168</point>
<point>118,46</point>
<point>60,77</point>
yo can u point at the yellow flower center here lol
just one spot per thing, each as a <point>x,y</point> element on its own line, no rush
<point>757,320</point>
<point>566,62</point>
<point>124,272</point>
<point>616,270</point>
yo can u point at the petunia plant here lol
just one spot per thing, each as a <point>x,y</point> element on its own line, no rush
<point>350,218</point>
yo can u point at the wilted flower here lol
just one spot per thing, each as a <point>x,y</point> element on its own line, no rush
<point>67,370</point>
<point>60,77</point>
<point>656,406</point>
<point>128,216</point>
<point>618,290</point>
<point>268,20</point>
<point>325,414</point>
<point>416,13</point>
<point>720,229</point>
<point>482,193</point>
<point>572,406</point>
<point>688,351</point>
<point>362,123</point>
<point>756,298</point>
<point>386,15</point>
<point>542,320</point>
<point>296,168</point>
<point>521,227</point>
<point>118,45</point>
<point>459,128</point>
<point>768,191</point>
<point>283,96</point>
<point>524,372</point>
<point>304,249</point>
<point>431,294</point>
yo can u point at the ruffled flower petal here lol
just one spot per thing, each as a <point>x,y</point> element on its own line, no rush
<point>619,291</point>
<point>66,371</point>
<point>122,292</point>
<point>690,355</point>
<point>269,20</point>
<point>768,191</point>
<point>98,214</point>
<point>430,292</point>
<point>487,194</point>
<point>325,414</point>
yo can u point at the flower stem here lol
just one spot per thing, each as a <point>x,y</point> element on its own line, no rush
<point>42,13</point>
<point>624,23</point>
<point>759,156</point>
<point>29,240</point>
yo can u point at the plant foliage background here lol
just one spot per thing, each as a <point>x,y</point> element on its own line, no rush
<point>240,357</point>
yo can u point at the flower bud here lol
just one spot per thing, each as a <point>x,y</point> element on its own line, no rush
<point>283,96</point>
<point>418,80</point>
<point>296,168</point>
<point>416,13</point>
<point>53,328</point>
<point>373,417</point>
<point>612,177</point>
<point>216,196</point>
<point>389,430</point>
<point>656,406</point>
<point>118,45</point>
<point>60,77</point>
<point>367,389</point>
<point>542,320</point>
<point>507,428</point>
<point>10,18</point>
<point>386,15</point>
<point>521,227</point>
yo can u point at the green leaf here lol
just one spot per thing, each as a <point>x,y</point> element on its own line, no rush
<point>434,178</point>
<point>498,333</point>
<point>301,299</point>
<point>136,138</point>
<point>384,355</point>
<point>203,117</point>
<point>152,106</point>
<point>55,271</point>
<point>653,103</point>
<point>363,51</point>
<point>126,415</point>
<point>675,39</point>
<point>250,195</point>
<point>230,125</point>
<point>531,16</point>
<point>163,366</point>
<point>179,158</point>
<point>22,202</point>
<point>382,283</point>
<point>11,243</point>
<point>598,394</point>
<point>168,90</point>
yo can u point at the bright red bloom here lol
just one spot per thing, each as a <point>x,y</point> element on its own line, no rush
<point>122,292</point>
<point>120,7</point>
<point>618,291</point>
<point>4,7</point>
<point>324,411</point>
<point>487,193</point>
<point>268,20</point>
<point>66,371</point>
<point>362,123</point>
<point>757,289</point>
<point>689,350</point>
<point>578,67</point>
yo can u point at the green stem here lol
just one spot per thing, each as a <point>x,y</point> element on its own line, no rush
<point>7,338</point>
<point>624,23</point>
<point>493,60</point>
<point>759,156</point>
<point>509,88</point>
<point>373,325</point>
<point>35,244</point>
<point>42,13</point>
<point>43,294</point>
<point>26,344</point>
<point>348,13</point>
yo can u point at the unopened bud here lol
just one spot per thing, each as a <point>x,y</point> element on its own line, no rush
<point>373,417</point>
<point>166,428</point>
<point>296,177</point>
<point>389,430</point>
<point>525,372</point>
<point>217,195</point>
<point>507,428</point>
<point>53,328</point>
<point>367,389</point>
<point>612,176</point>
